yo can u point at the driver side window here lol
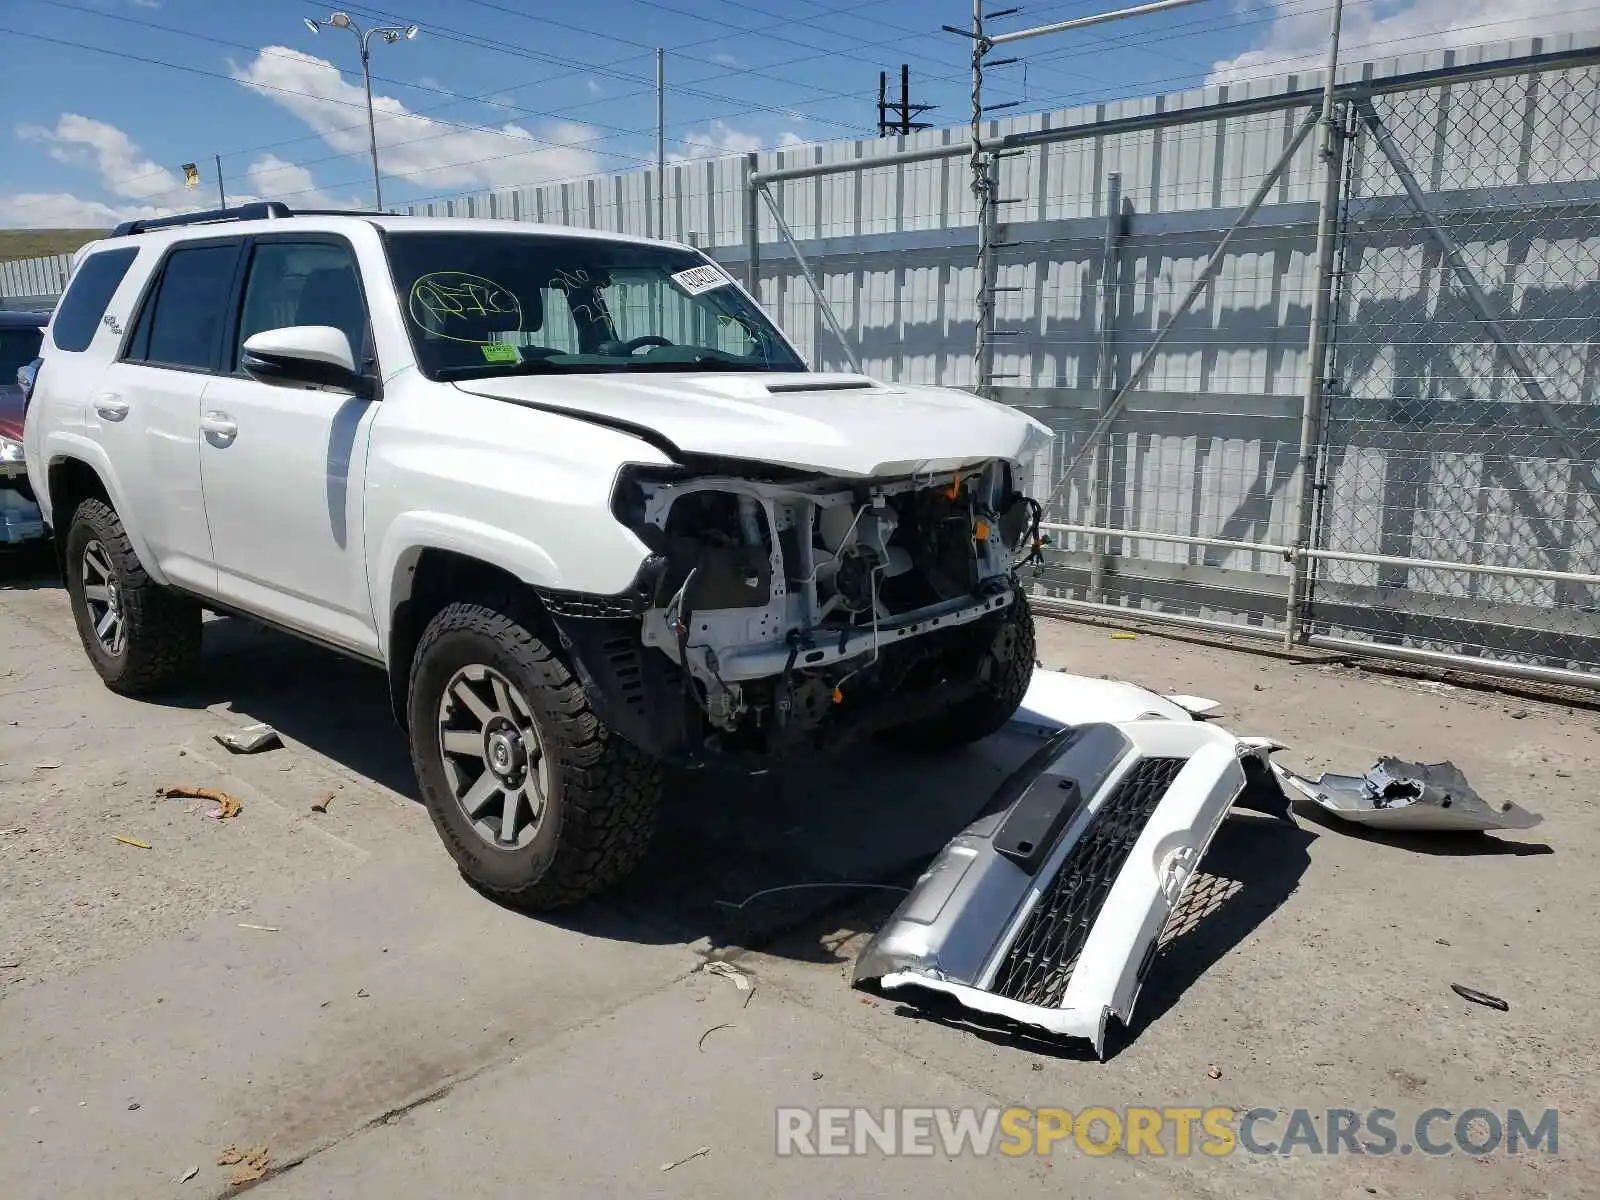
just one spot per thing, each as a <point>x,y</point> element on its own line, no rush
<point>643,304</point>
<point>304,283</point>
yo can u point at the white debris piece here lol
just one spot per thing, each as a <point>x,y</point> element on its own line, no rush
<point>1055,699</point>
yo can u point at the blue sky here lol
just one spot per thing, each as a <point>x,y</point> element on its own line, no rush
<point>499,92</point>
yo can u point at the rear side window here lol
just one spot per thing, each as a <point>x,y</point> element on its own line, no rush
<point>97,279</point>
<point>181,322</point>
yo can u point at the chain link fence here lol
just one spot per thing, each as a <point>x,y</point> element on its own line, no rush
<point>1462,424</point>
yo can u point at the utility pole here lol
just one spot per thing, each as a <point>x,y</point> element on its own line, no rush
<point>661,142</point>
<point>985,160</point>
<point>903,124</point>
<point>222,196</point>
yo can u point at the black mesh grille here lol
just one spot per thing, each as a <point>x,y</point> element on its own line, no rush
<point>1046,949</point>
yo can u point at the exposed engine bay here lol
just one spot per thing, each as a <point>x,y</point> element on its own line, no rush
<point>786,604</point>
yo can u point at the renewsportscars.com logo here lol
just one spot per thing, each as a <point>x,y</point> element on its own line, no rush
<point>1174,1130</point>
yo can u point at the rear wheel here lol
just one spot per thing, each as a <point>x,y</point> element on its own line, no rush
<point>1004,672</point>
<point>140,636</point>
<point>539,803</point>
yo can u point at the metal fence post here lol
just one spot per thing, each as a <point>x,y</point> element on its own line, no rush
<point>988,274</point>
<point>752,227</point>
<point>1100,465</point>
<point>1331,154</point>
<point>983,173</point>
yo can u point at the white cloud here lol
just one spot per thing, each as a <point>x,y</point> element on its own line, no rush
<point>63,210</point>
<point>719,139</point>
<point>1297,39</point>
<point>124,171</point>
<point>147,3</point>
<point>271,178</point>
<point>726,60</point>
<point>148,189</point>
<point>431,154</point>
<point>594,87</point>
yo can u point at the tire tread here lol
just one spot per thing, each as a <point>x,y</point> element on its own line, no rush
<point>610,790</point>
<point>164,628</point>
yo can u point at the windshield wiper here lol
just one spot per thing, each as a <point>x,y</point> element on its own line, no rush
<point>537,366</point>
<point>698,363</point>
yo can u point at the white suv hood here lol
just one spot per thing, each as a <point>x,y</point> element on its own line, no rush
<point>845,425</point>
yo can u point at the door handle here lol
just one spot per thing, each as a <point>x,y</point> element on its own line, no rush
<point>111,406</point>
<point>219,428</point>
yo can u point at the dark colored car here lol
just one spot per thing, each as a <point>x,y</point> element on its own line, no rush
<point>21,334</point>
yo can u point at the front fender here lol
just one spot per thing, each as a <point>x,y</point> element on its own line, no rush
<point>411,533</point>
<point>58,446</point>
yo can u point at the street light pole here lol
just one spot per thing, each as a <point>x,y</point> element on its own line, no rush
<point>372,126</point>
<point>390,34</point>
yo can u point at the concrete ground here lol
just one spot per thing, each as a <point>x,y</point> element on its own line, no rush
<point>390,1034</point>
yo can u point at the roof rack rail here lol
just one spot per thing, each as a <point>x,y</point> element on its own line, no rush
<point>244,212</point>
<point>261,211</point>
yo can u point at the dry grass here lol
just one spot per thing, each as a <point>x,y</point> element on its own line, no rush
<point>33,243</point>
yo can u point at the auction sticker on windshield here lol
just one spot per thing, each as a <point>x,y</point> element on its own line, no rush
<point>501,352</point>
<point>700,279</point>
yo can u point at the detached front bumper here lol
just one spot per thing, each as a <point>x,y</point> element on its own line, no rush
<point>1049,908</point>
<point>20,518</point>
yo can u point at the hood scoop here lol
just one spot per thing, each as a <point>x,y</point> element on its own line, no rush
<point>822,385</point>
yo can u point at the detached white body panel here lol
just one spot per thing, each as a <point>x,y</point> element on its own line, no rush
<point>1062,941</point>
<point>1055,698</point>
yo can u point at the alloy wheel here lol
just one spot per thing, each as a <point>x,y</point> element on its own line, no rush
<point>493,756</point>
<point>102,596</point>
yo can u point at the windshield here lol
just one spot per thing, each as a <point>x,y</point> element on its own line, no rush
<point>482,304</point>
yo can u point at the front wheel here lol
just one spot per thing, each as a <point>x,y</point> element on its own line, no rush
<point>540,804</point>
<point>140,636</point>
<point>1004,672</point>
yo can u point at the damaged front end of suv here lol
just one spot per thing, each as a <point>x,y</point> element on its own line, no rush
<point>781,611</point>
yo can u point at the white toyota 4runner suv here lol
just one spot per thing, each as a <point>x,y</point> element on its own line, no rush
<point>573,491</point>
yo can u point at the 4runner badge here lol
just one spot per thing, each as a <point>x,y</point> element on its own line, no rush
<point>110,322</point>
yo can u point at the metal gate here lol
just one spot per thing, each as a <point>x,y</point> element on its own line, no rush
<point>1457,504</point>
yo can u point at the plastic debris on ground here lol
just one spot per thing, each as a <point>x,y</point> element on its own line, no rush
<point>227,806</point>
<point>252,739</point>
<point>730,972</point>
<point>1476,997</point>
<point>1407,796</point>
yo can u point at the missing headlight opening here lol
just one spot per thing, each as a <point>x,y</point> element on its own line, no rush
<point>792,607</point>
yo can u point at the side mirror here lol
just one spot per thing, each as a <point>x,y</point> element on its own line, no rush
<point>318,355</point>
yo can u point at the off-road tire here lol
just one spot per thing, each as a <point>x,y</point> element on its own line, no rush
<point>162,626</point>
<point>1004,674</point>
<point>604,792</point>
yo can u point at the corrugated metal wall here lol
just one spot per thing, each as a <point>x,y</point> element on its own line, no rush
<point>33,282</point>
